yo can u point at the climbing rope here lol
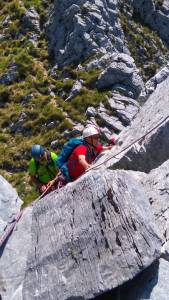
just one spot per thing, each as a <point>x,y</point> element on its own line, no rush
<point>10,228</point>
<point>18,216</point>
<point>127,147</point>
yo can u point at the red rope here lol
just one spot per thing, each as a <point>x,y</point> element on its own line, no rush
<point>18,216</point>
<point>10,228</point>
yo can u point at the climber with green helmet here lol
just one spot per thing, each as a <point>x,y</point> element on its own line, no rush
<point>42,168</point>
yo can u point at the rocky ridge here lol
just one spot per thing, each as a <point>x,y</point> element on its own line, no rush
<point>93,46</point>
<point>72,30</point>
<point>105,218</point>
<point>89,45</point>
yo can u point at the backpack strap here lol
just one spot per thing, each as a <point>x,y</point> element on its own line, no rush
<point>50,162</point>
<point>90,151</point>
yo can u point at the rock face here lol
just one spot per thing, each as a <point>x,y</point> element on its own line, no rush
<point>110,225</point>
<point>146,154</point>
<point>156,79</point>
<point>84,246</point>
<point>156,187</point>
<point>11,75</point>
<point>155,14</point>
<point>10,204</point>
<point>152,284</point>
<point>121,70</point>
<point>116,117</point>
<point>31,20</point>
<point>126,108</point>
<point>13,254</point>
<point>13,259</point>
<point>77,31</point>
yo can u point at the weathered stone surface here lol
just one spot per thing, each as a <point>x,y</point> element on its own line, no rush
<point>18,126</point>
<point>111,121</point>
<point>119,115</point>
<point>11,75</point>
<point>152,284</point>
<point>121,70</point>
<point>91,111</point>
<point>13,259</point>
<point>10,204</point>
<point>156,187</point>
<point>151,84</point>
<point>75,89</point>
<point>77,31</point>
<point>31,20</point>
<point>90,237</point>
<point>125,108</point>
<point>154,14</point>
<point>152,150</point>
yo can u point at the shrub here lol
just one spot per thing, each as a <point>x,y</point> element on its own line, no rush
<point>16,10</point>
<point>25,64</point>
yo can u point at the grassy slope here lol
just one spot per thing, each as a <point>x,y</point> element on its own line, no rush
<point>145,45</point>
<point>34,79</point>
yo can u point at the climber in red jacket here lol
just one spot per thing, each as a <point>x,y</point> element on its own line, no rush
<point>83,155</point>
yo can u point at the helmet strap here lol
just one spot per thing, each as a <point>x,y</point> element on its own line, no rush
<point>90,144</point>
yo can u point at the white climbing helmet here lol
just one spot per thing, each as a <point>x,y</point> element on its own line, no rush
<point>89,131</point>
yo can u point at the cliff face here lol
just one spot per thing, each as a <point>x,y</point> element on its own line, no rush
<point>65,64</point>
<point>155,14</point>
<point>84,240</point>
<point>104,229</point>
<point>9,204</point>
<point>152,150</point>
<point>90,239</point>
<point>83,29</point>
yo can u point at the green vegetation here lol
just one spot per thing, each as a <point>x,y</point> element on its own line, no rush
<point>30,95</point>
<point>144,44</point>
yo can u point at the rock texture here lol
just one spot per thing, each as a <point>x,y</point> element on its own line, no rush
<point>151,84</point>
<point>10,204</point>
<point>156,187</point>
<point>124,107</point>
<point>107,228</point>
<point>13,259</point>
<point>12,254</point>
<point>151,284</point>
<point>31,20</point>
<point>118,113</point>
<point>11,75</point>
<point>122,70</point>
<point>75,89</point>
<point>155,14</point>
<point>84,246</point>
<point>77,31</point>
<point>146,154</point>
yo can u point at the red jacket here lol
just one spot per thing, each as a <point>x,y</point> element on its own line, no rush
<point>74,167</point>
